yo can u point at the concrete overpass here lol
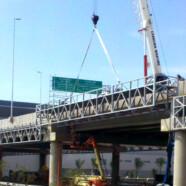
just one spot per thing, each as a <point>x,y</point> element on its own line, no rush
<point>127,113</point>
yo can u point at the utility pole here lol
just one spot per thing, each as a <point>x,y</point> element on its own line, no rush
<point>40,85</point>
<point>11,110</point>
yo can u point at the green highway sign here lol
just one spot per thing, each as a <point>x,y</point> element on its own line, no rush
<point>67,84</point>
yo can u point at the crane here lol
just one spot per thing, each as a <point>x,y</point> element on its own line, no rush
<point>149,38</point>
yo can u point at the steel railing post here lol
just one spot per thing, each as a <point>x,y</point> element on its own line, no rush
<point>70,107</point>
<point>154,91</point>
<point>173,112</point>
<point>112,101</point>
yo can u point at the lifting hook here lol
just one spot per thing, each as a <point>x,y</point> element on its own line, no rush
<point>95,19</point>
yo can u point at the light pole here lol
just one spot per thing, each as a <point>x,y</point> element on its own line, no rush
<point>40,85</point>
<point>11,111</point>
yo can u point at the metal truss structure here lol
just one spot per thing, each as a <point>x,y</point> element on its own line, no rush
<point>20,134</point>
<point>179,112</point>
<point>129,98</point>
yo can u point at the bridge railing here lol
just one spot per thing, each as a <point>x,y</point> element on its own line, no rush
<point>127,96</point>
<point>179,112</point>
<point>27,132</point>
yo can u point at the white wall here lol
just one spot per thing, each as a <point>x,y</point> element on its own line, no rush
<point>68,161</point>
<point>29,161</point>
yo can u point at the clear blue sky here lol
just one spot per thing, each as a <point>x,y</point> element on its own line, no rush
<point>53,35</point>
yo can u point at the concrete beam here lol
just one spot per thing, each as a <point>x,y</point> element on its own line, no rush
<point>134,120</point>
<point>55,133</point>
<point>166,125</point>
<point>138,140</point>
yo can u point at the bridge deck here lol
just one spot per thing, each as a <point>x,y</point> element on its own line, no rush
<point>116,101</point>
<point>106,104</point>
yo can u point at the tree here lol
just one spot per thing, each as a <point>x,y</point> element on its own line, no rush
<point>160,162</point>
<point>3,166</point>
<point>154,172</point>
<point>94,163</point>
<point>79,163</point>
<point>138,164</point>
<point>72,175</point>
<point>131,173</point>
<point>22,175</point>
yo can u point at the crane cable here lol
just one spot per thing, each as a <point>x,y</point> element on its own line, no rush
<point>83,62</point>
<point>94,6</point>
<point>95,19</point>
<point>161,45</point>
<point>107,55</point>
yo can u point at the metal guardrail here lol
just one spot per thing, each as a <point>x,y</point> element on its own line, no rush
<point>139,94</point>
<point>179,112</point>
<point>20,134</point>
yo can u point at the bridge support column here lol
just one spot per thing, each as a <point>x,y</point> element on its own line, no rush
<point>59,163</point>
<point>1,158</point>
<point>42,158</point>
<point>180,158</point>
<point>53,163</point>
<point>115,165</point>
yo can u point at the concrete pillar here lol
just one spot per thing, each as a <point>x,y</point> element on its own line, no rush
<point>53,163</point>
<point>180,158</point>
<point>1,159</point>
<point>42,158</point>
<point>115,165</point>
<point>180,148</point>
<point>59,163</point>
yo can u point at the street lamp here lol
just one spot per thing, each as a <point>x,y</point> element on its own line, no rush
<point>11,111</point>
<point>40,84</point>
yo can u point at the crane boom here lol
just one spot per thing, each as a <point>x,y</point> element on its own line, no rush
<point>150,37</point>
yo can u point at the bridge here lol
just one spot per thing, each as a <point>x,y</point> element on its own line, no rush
<point>115,103</point>
<point>137,110</point>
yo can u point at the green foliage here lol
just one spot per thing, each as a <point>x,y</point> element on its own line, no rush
<point>154,172</point>
<point>3,164</point>
<point>110,164</point>
<point>94,163</point>
<point>71,176</point>
<point>131,173</point>
<point>43,170</point>
<point>138,164</point>
<point>79,163</point>
<point>160,162</point>
<point>21,175</point>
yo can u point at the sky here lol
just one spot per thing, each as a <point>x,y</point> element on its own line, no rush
<point>53,35</point>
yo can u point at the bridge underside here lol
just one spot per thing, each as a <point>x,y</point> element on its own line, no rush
<point>143,135</point>
<point>142,129</point>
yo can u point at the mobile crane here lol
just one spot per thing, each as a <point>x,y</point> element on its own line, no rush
<point>149,38</point>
